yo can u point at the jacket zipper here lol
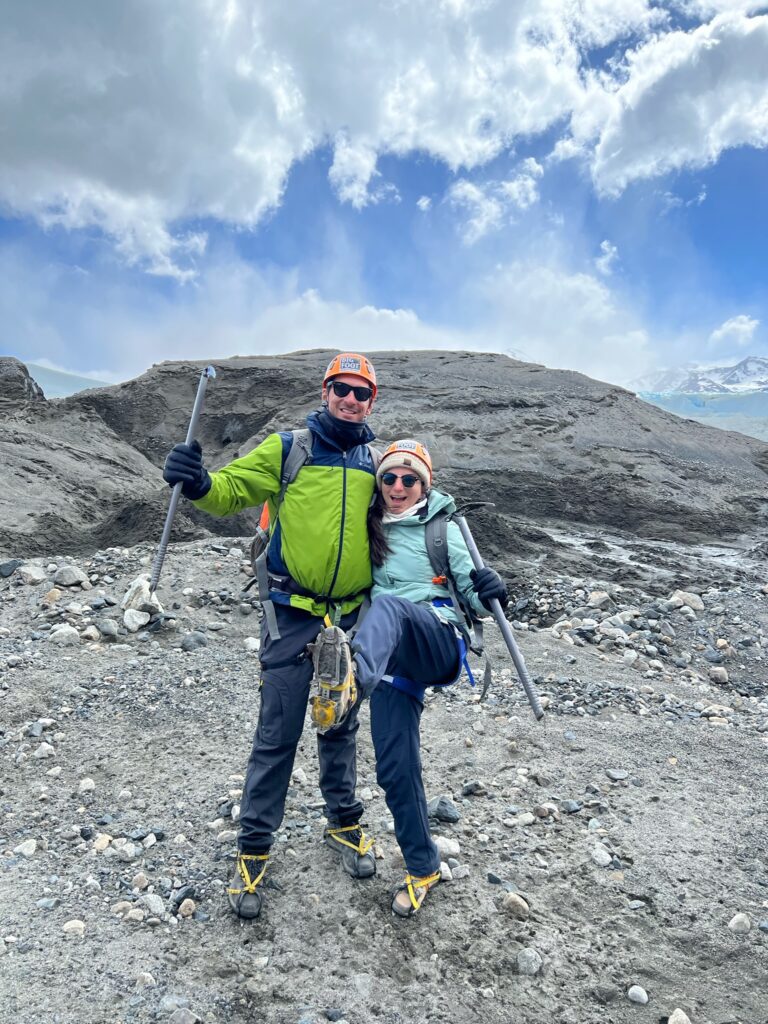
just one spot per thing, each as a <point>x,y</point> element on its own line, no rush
<point>343,517</point>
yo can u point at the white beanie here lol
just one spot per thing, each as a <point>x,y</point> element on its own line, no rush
<point>403,460</point>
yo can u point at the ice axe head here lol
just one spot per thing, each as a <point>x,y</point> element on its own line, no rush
<point>473,506</point>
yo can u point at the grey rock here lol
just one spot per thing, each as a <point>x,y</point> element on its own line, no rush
<point>617,774</point>
<point>69,576</point>
<point>192,641</point>
<point>529,961</point>
<point>8,568</point>
<point>443,809</point>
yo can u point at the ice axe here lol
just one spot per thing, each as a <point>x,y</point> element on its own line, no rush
<point>496,609</point>
<point>208,374</point>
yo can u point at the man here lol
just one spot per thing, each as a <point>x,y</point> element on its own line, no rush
<point>318,565</point>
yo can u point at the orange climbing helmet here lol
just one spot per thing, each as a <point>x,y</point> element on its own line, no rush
<point>354,363</point>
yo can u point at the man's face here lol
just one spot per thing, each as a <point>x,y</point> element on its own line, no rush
<point>347,407</point>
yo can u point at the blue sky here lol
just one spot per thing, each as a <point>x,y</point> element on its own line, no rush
<point>581,185</point>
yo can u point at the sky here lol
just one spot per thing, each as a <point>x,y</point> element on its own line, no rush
<point>579,183</point>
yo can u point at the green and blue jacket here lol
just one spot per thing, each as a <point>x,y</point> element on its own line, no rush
<point>319,537</point>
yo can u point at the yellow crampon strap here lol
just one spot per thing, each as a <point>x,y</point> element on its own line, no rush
<point>242,868</point>
<point>327,620</point>
<point>364,846</point>
<point>412,883</point>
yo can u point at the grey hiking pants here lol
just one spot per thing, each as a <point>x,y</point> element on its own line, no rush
<point>285,677</point>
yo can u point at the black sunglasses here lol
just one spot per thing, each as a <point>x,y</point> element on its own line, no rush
<point>362,394</point>
<point>407,481</point>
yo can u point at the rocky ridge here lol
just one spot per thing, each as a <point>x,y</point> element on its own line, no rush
<point>583,475</point>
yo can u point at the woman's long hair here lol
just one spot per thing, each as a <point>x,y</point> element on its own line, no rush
<point>377,537</point>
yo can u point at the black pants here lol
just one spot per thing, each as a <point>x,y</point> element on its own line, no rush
<point>284,696</point>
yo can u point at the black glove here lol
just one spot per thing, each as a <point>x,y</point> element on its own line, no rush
<point>184,465</point>
<point>488,584</point>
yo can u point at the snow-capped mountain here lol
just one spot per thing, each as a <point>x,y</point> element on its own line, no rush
<point>751,374</point>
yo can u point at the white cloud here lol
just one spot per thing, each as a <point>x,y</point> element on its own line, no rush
<point>522,191</point>
<point>134,118</point>
<point>424,203</point>
<point>543,313</point>
<point>678,101</point>
<point>485,212</point>
<point>487,205</point>
<point>567,320</point>
<point>738,331</point>
<point>609,255</point>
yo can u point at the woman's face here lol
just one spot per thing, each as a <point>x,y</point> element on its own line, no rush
<point>398,497</point>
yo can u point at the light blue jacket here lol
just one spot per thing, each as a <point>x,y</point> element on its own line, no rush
<point>407,571</point>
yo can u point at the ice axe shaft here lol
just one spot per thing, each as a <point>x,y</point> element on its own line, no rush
<point>208,374</point>
<point>506,631</point>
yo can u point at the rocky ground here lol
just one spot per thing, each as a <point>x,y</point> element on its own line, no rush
<point>608,865</point>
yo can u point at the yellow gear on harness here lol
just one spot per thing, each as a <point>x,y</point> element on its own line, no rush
<point>334,678</point>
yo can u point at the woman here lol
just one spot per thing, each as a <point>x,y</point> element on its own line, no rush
<point>411,638</point>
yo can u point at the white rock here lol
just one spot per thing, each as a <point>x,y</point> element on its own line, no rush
<point>187,908</point>
<point>133,620</point>
<point>86,786</point>
<point>679,1016</point>
<point>600,856</point>
<point>44,751</point>
<point>300,776</point>
<point>74,927</point>
<point>32,574</point>
<point>145,980</point>
<point>447,847</point>
<point>740,924</point>
<point>687,599</point>
<point>27,848</point>
<point>515,906</point>
<point>445,872</point>
<point>101,842</point>
<point>153,903</point>
<point>636,994</point>
<point>138,597</point>
<point>252,643</point>
<point>64,636</point>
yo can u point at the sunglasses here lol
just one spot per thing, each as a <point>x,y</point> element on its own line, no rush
<point>407,481</point>
<point>362,394</point>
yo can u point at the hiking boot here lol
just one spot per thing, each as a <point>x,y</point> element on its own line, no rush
<point>244,892</point>
<point>412,893</point>
<point>355,849</point>
<point>333,679</point>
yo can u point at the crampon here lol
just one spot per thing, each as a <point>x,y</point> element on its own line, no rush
<point>334,692</point>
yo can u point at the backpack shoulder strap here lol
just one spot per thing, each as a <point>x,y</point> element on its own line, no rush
<point>376,455</point>
<point>436,537</point>
<point>299,455</point>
